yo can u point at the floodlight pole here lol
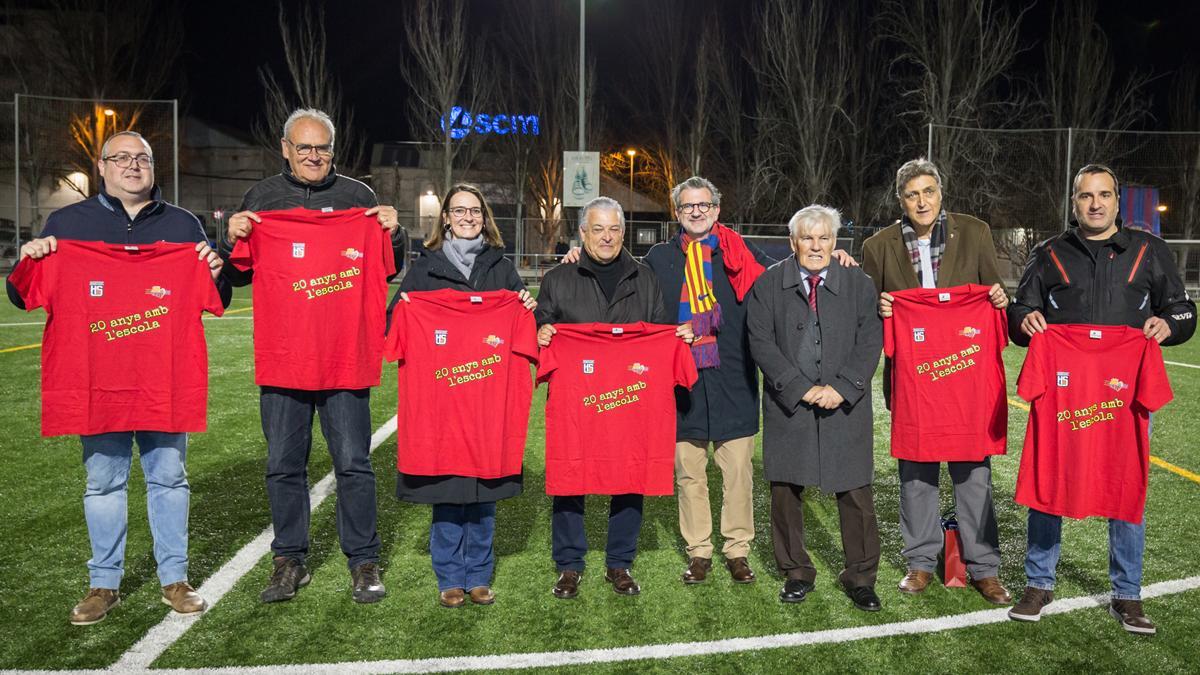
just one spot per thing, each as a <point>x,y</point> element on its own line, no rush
<point>17,169</point>
<point>582,88</point>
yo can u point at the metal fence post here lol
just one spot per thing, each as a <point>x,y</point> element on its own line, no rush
<point>175,137</point>
<point>929,144</point>
<point>1067,173</point>
<point>17,168</point>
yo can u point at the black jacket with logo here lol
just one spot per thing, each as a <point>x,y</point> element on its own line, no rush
<point>285,191</point>
<point>1132,278</point>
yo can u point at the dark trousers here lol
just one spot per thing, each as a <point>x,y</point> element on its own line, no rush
<point>860,534</point>
<point>287,418</point>
<point>570,540</point>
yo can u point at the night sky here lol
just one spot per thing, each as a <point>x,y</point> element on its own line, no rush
<point>226,41</point>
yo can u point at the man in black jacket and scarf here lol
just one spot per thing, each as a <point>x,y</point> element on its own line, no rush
<point>309,181</point>
<point>606,285</point>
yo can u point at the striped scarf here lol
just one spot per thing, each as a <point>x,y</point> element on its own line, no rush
<point>937,245</point>
<point>697,301</point>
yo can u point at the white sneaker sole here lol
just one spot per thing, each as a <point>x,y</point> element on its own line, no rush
<point>1031,618</point>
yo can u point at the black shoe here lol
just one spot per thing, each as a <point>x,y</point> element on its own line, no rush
<point>795,590</point>
<point>367,585</point>
<point>287,578</point>
<point>864,598</point>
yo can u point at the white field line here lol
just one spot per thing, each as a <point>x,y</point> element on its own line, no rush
<point>25,323</point>
<point>171,628</point>
<point>206,318</point>
<point>1184,365</point>
<point>660,651</point>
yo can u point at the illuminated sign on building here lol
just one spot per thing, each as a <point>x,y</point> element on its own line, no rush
<point>463,122</point>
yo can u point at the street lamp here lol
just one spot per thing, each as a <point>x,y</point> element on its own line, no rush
<point>1161,208</point>
<point>109,112</point>
<point>632,153</point>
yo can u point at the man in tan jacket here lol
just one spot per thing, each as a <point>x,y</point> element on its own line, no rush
<point>930,248</point>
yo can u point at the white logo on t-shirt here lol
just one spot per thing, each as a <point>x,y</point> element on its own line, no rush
<point>439,337</point>
<point>1063,378</point>
<point>918,335</point>
<point>589,366</point>
<point>96,289</point>
<point>297,250</point>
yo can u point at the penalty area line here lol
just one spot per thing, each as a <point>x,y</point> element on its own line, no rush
<point>1182,365</point>
<point>173,626</point>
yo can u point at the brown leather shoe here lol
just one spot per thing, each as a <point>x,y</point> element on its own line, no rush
<point>915,581</point>
<point>183,598</point>
<point>567,586</point>
<point>992,591</point>
<point>94,606</point>
<point>1129,613</point>
<point>621,581</point>
<point>697,570</point>
<point>482,595</point>
<point>452,598</point>
<point>739,570</point>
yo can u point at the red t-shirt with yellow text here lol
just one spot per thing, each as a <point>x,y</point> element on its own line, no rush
<point>320,297</point>
<point>123,348</point>
<point>1087,449</point>
<point>610,407</point>
<point>464,382</point>
<point>949,400</point>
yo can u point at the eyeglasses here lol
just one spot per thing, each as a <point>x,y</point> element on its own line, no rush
<point>125,160</point>
<point>928,193</point>
<point>702,207</point>
<point>462,211</point>
<point>306,149</point>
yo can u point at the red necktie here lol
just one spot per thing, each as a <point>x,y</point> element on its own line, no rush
<point>813,282</point>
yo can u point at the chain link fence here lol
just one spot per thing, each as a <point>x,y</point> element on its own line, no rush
<point>1019,181</point>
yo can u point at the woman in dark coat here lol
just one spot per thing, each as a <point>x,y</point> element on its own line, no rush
<point>817,355</point>
<point>466,253</point>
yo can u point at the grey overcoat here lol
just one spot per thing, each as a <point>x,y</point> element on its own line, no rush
<point>802,444</point>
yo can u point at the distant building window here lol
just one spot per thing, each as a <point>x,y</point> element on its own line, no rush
<point>646,235</point>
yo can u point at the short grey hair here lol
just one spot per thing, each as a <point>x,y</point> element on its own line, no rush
<point>601,204</point>
<point>812,216</point>
<point>695,183</point>
<point>134,134</point>
<point>913,169</point>
<point>308,113</point>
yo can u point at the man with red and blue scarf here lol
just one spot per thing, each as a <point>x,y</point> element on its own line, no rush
<point>705,272</point>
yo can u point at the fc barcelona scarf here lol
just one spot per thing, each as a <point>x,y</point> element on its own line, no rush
<point>697,302</point>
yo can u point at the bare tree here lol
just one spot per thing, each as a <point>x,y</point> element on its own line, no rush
<point>543,77</point>
<point>802,69</point>
<point>443,67</point>
<point>310,83</point>
<point>954,68</point>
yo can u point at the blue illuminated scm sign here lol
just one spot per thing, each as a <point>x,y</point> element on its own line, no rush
<point>462,122</point>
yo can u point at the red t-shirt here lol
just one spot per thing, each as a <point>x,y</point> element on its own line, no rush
<point>464,382</point>
<point>320,297</point>
<point>123,348</point>
<point>610,407</point>
<point>1087,450</point>
<point>948,385</point>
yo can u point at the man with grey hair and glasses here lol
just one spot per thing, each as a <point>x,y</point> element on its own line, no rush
<point>604,285</point>
<point>932,248</point>
<point>309,181</point>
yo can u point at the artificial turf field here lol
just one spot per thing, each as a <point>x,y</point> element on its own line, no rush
<point>44,548</point>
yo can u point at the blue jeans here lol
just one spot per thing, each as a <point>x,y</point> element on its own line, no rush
<point>460,543</point>
<point>1126,543</point>
<point>107,459</point>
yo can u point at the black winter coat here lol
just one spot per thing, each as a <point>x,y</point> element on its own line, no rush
<point>434,272</point>
<point>285,191</point>
<point>723,404</point>
<point>1133,278</point>
<point>570,293</point>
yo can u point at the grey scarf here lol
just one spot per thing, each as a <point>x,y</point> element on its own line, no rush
<point>462,252</point>
<point>937,245</point>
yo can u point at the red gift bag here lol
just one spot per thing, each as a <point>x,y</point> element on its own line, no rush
<point>954,572</point>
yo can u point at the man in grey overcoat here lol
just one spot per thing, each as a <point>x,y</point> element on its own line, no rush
<point>816,335</point>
